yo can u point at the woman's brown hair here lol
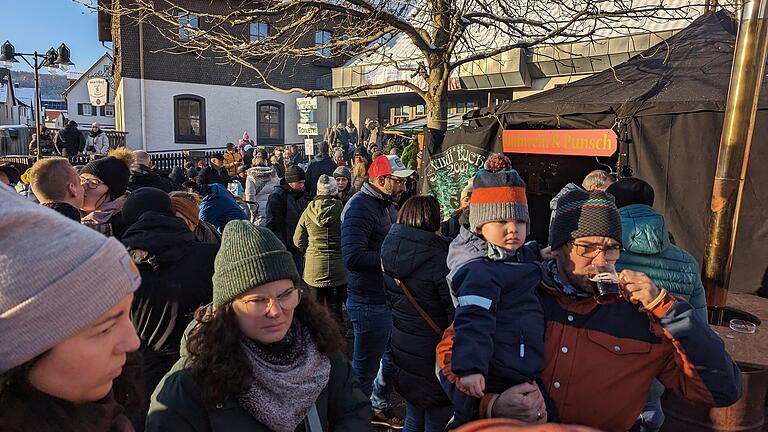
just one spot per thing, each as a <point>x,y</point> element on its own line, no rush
<point>360,169</point>
<point>218,364</point>
<point>422,212</point>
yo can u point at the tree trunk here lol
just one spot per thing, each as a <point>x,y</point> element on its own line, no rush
<point>437,97</point>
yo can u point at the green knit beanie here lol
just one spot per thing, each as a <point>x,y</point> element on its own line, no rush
<point>249,256</point>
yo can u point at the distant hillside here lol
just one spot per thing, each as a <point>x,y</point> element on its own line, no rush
<point>51,86</point>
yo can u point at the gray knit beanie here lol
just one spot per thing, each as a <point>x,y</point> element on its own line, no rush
<point>327,186</point>
<point>342,171</point>
<point>584,214</point>
<point>249,256</point>
<point>56,278</point>
<point>497,196</point>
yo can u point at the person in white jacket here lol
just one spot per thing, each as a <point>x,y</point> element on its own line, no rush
<point>97,141</point>
<point>260,182</point>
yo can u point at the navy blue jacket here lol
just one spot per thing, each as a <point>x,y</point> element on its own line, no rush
<point>499,321</point>
<point>321,164</point>
<point>365,222</point>
<point>417,258</point>
<point>284,208</point>
<point>218,206</point>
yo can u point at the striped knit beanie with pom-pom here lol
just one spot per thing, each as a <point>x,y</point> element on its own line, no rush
<point>583,214</point>
<point>497,196</point>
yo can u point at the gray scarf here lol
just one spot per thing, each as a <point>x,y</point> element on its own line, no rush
<point>284,387</point>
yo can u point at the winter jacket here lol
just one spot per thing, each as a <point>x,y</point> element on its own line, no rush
<point>648,250</point>
<point>97,144</point>
<point>365,223</point>
<point>176,274</point>
<point>318,235</point>
<point>177,405</point>
<point>321,164</point>
<point>218,206</point>
<point>499,322</point>
<point>47,148</point>
<point>600,360</point>
<point>347,195</point>
<point>70,140</point>
<point>260,182</point>
<point>341,138</point>
<point>284,208</point>
<point>417,258</point>
<point>142,176</point>
<point>358,182</point>
<point>206,233</point>
<point>232,160</point>
<point>452,226</point>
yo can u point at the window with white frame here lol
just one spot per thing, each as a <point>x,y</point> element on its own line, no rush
<point>187,25</point>
<point>323,37</point>
<point>109,110</point>
<point>259,31</point>
<point>86,110</point>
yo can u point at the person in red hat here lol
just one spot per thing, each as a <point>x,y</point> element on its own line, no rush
<point>365,222</point>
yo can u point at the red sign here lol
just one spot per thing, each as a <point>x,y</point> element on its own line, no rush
<point>569,142</point>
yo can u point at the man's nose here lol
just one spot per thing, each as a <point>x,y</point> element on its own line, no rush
<point>600,258</point>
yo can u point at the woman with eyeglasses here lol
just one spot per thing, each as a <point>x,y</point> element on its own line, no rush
<point>105,182</point>
<point>263,356</point>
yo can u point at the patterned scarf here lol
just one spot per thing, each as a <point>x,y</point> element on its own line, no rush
<point>563,286</point>
<point>288,377</point>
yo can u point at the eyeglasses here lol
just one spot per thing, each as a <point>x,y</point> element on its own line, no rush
<point>90,183</point>
<point>396,180</point>
<point>262,305</point>
<point>592,251</point>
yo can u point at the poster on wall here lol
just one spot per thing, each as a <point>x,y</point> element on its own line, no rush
<point>446,167</point>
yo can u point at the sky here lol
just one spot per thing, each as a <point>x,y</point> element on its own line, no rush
<point>42,24</point>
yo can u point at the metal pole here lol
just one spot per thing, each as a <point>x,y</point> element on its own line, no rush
<point>746,79</point>
<point>37,104</point>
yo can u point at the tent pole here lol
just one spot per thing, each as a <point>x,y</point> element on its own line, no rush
<point>735,141</point>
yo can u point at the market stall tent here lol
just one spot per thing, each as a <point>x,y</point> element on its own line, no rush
<point>667,106</point>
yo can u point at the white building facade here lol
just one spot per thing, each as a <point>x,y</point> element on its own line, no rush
<point>79,106</point>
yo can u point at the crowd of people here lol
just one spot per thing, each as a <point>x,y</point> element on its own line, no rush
<point>70,141</point>
<point>222,296</point>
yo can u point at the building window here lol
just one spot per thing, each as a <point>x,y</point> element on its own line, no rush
<point>270,123</point>
<point>323,37</point>
<point>109,111</point>
<point>342,112</point>
<point>86,110</point>
<point>187,25</point>
<point>189,119</point>
<point>259,31</point>
<point>420,110</point>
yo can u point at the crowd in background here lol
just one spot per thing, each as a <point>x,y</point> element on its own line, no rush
<point>220,296</point>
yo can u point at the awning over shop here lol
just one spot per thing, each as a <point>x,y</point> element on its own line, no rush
<point>416,126</point>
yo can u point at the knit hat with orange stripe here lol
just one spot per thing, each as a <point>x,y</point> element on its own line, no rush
<point>584,214</point>
<point>497,196</point>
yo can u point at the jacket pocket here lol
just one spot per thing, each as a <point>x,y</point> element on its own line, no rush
<point>617,345</point>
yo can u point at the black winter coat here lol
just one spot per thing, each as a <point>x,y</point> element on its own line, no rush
<point>418,259</point>
<point>177,406</point>
<point>284,208</point>
<point>321,164</point>
<point>364,224</point>
<point>70,140</point>
<point>142,176</point>
<point>176,273</point>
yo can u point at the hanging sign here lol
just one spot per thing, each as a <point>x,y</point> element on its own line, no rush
<point>98,91</point>
<point>309,147</point>
<point>567,142</point>
<point>307,128</point>
<point>306,104</point>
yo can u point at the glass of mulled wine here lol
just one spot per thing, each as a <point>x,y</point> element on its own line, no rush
<point>605,283</point>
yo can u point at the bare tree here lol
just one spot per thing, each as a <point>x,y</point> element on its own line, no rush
<point>426,38</point>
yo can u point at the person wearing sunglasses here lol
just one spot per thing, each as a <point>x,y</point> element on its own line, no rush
<point>601,358</point>
<point>263,356</point>
<point>105,182</point>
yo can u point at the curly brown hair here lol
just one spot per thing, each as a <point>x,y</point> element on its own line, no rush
<point>218,364</point>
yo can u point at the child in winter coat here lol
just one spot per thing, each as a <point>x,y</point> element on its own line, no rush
<point>499,323</point>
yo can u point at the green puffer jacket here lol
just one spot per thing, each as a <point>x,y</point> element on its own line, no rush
<point>318,234</point>
<point>648,250</point>
<point>177,405</point>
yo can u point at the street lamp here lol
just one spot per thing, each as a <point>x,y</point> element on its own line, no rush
<point>53,59</point>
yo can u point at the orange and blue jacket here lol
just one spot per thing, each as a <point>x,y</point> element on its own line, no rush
<point>600,360</point>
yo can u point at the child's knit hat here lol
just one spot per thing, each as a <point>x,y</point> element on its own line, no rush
<point>497,196</point>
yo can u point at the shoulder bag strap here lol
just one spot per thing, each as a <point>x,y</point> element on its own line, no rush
<point>421,311</point>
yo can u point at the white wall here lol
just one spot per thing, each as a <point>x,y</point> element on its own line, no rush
<point>229,111</point>
<point>79,94</point>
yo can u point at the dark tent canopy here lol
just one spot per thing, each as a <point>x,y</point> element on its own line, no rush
<point>669,103</point>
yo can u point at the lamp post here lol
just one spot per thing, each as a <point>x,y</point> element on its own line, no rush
<point>53,59</point>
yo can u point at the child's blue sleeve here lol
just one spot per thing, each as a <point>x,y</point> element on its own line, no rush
<point>529,252</point>
<point>475,320</point>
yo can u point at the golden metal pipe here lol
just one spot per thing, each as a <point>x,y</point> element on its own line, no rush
<point>746,79</point>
